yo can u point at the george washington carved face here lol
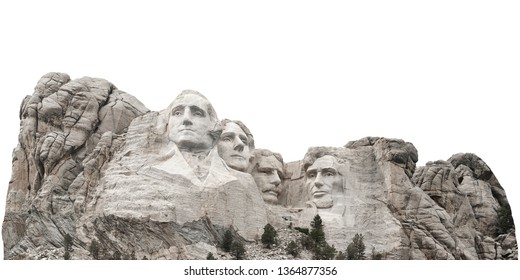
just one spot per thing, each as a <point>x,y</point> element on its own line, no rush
<point>191,122</point>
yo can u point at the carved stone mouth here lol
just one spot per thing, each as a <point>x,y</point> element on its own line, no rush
<point>271,192</point>
<point>237,156</point>
<point>319,193</point>
<point>187,131</point>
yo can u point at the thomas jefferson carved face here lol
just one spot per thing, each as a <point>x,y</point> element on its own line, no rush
<point>233,147</point>
<point>190,123</point>
<point>322,178</point>
<point>267,173</point>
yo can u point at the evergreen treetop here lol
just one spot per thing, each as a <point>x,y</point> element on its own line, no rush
<point>317,234</point>
<point>269,236</point>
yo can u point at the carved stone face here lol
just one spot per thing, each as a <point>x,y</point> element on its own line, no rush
<point>190,123</point>
<point>322,178</point>
<point>267,175</point>
<point>233,147</point>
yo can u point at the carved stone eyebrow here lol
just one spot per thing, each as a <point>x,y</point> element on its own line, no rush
<point>227,134</point>
<point>311,170</point>
<point>194,108</point>
<point>329,169</point>
<point>265,168</point>
<point>178,107</point>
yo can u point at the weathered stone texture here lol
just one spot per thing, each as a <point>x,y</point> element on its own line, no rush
<point>94,163</point>
<point>61,123</point>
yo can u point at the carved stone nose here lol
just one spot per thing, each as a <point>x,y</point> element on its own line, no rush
<point>318,181</point>
<point>239,146</point>
<point>275,179</point>
<point>187,121</point>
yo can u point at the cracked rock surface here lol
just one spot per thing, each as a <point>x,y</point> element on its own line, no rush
<point>84,162</point>
<point>68,128</point>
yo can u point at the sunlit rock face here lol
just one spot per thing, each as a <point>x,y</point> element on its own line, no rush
<point>68,131</point>
<point>403,213</point>
<point>94,164</point>
<point>170,171</point>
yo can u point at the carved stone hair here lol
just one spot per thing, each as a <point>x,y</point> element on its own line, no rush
<point>250,139</point>
<point>258,153</point>
<point>315,153</point>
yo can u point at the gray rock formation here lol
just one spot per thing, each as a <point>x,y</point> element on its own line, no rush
<point>94,164</point>
<point>68,129</point>
<point>402,213</point>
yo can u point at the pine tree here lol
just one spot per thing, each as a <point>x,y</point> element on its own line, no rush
<point>269,236</point>
<point>67,242</point>
<point>292,249</point>
<point>238,250</point>
<point>227,241</point>
<point>324,252</point>
<point>341,256</point>
<point>504,220</point>
<point>307,242</point>
<point>67,245</point>
<point>94,249</point>
<point>317,234</point>
<point>116,255</point>
<point>356,249</point>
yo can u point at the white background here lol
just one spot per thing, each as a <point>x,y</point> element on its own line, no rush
<point>441,74</point>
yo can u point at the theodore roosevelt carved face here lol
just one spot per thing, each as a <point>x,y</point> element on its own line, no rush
<point>267,170</point>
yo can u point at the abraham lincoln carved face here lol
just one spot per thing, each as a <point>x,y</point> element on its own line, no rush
<point>321,179</point>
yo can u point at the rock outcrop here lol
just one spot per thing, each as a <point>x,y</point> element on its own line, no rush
<point>68,130</point>
<point>94,164</point>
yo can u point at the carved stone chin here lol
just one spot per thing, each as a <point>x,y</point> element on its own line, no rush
<point>323,203</point>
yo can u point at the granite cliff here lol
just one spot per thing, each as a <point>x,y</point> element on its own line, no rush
<point>93,164</point>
